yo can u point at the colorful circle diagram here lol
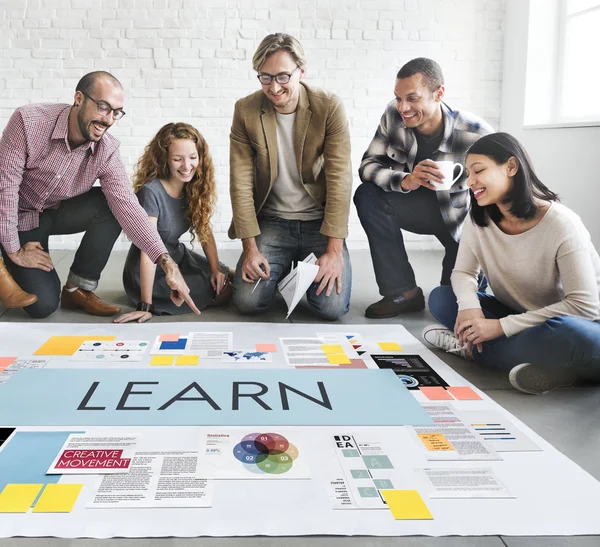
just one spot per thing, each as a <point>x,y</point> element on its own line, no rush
<point>268,453</point>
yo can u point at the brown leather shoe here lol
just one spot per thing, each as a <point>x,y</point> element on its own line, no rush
<point>86,301</point>
<point>391,306</point>
<point>11,295</point>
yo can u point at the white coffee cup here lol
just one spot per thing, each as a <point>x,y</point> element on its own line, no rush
<point>447,169</point>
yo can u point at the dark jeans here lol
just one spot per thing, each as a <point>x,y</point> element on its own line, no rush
<point>383,215</point>
<point>560,342</point>
<point>87,213</point>
<point>282,242</point>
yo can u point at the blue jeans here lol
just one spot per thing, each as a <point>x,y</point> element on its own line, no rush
<point>282,242</point>
<point>560,342</point>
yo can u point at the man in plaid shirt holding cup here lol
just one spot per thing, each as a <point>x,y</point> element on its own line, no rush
<point>409,182</point>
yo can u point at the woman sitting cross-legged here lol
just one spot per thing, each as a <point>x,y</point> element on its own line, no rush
<point>174,182</point>
<point>542,324</point>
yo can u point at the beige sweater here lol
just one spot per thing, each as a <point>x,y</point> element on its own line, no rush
<point>550,270</point>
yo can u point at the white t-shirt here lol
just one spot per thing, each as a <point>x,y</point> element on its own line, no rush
<point>550,270</point>
<point>288,198</point>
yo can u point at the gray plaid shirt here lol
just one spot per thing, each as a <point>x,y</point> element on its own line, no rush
<point>392,152</point>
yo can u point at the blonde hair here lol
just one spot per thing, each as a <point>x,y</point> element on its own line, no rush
<point>200,192</point>
<point>277,42</point>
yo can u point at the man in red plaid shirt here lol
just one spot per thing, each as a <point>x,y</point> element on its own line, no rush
<point>50,157</point>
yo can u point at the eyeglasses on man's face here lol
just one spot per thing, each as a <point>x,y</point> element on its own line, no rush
<point>281,78</point>
<point>105,109</point>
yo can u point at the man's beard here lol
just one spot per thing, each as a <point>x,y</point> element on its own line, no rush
<point>85,128</point>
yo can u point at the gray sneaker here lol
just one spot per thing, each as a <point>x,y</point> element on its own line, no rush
<point>537,380</point>
<point>444,339</point>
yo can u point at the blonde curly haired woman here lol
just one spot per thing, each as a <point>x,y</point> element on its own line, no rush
<point>174,182</point>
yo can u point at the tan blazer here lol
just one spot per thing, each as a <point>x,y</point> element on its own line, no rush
<point>322,146</point>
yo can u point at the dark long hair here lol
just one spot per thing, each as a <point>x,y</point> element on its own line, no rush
<point>526,184</point>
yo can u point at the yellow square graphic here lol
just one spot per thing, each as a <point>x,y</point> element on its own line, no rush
<point>17,498</point>
<point>389,346</point>
<point>406,505</point>
<point>162,360</point>
<point>58,498</point>
<point>186,360</point>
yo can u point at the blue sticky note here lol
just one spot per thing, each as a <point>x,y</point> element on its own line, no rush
<point>258,397</point>
<point>168,345</point>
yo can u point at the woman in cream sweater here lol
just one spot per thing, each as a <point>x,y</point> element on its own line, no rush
<point>542,324</point>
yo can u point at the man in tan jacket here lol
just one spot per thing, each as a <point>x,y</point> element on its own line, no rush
<point>291,182</point>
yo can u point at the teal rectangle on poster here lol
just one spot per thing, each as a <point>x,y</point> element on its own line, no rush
<point>67,397</point>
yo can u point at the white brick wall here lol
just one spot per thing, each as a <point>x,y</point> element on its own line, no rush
<point>189,60</point>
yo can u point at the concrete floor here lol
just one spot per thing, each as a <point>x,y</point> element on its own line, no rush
<point>569,419</point>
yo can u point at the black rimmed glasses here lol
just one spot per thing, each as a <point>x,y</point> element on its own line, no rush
<point>281,78</point>
<point>105,109</point>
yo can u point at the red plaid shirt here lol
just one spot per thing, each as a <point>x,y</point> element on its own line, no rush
<point>38,170</point>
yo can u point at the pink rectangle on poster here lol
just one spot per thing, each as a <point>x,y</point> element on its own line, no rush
<point>464,393</point>
<point>168,337</point>
<point>6,361</point>
<point>267,348</point>
<point>436,393</point>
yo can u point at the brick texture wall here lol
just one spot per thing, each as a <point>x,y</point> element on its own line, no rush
<point>189,60</point>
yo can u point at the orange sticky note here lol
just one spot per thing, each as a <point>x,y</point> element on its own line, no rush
<point>435,441</point>
<point>463,393</point>
<point>186,360</point>
<point>6,361</point>
<point>17,498</point>
<point>406,505</point>
<point>267,348</point>
<point>389,346</point>
<point>162,360</point>
<point>436,393</point>
<point>168,337</point>
<point>338,359</point>
<point>58,498</point>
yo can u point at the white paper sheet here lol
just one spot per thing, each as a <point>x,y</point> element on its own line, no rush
<point>365,469</point>
<point>156,479</point>
<point>19,364</point>
<point>467,444</point>
<point>91,455</point>
<point>497,431</point>
<point>209,345</point>
<point>293,286</point>
<point>245,455</point>
<point>125,350</point>
<point>462,482</point>
<point>300,352</point>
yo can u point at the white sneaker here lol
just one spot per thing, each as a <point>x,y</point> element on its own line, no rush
<point>443,338</point>
<point>537,380</point>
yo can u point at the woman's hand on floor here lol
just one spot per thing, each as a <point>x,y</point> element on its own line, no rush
<point>139,316</point>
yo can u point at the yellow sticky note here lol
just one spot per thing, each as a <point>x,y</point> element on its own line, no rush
<point>389,346</point>
<point>189,360</point>
<point>406,505</point>
<point>58,498</point>
<point>338,359</point>
<point>17,498</point>
<point>67,345</point>
<point>161,360</point>
<point>435,441</point>
<point>332,348</point>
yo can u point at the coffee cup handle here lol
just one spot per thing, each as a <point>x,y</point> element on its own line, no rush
<point>459,174</point>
